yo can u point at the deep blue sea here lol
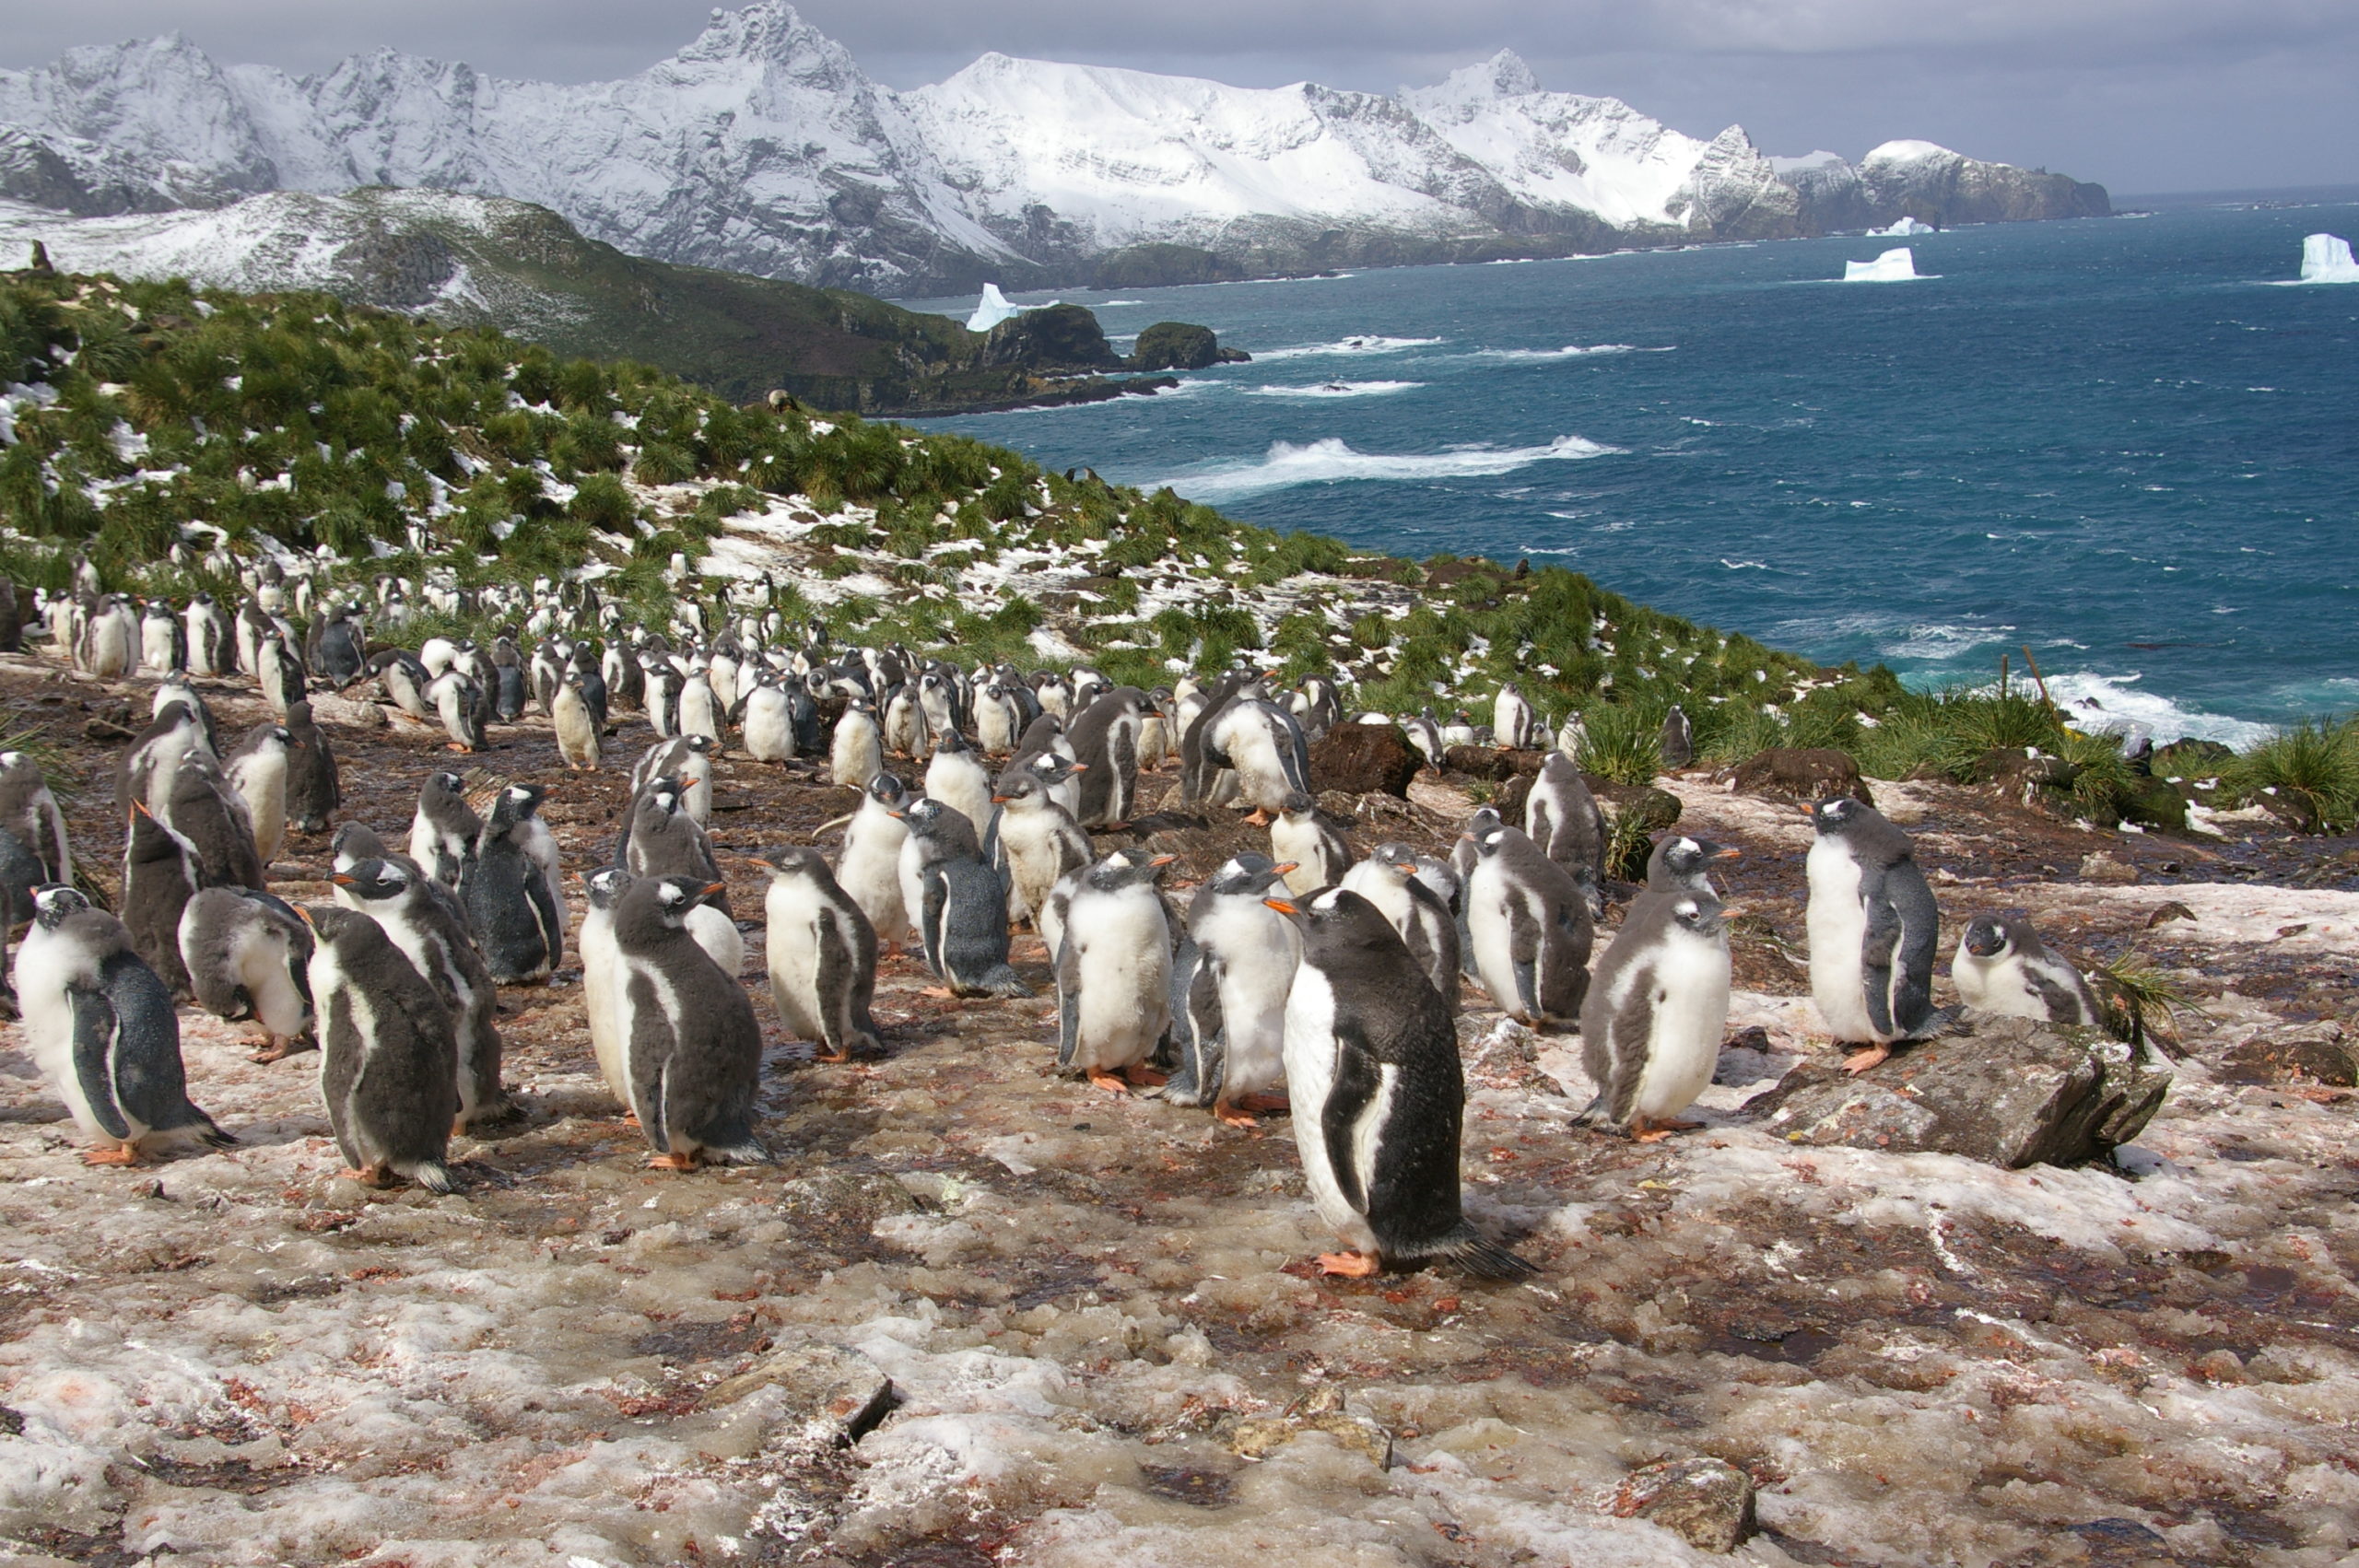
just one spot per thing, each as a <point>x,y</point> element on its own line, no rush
<point>2122,442</point>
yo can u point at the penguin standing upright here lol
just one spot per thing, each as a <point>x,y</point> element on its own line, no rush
<point>533,835</point>
<point>418,919</point>
<point>161,647</point>
<point>443,832</point>
<point>212,816</point>
<point>405,681</point>
<point>102,1027</point>
<point>1319,854</point>
<point>248,956</point>
<point>1114,975</point>
<point>1425,736</point>
<point>314,791</point>
<point>962,916</point>
<point>144,770</point>
<point>1513,724</point>
<point>1678,740</point>
<point>692,1049</point>
<point>601,975</point>
<point>577,728</point>
<point>857,753</point>
<point>957,778</point>
<point>1561,816</point>
<point>388,1055</point>
<point>1034,842</point>
<point>458,701</point>
<point>766,721</point>
<point>521,931</point>
<point>1244,959</point>
<point>1389,880</point>
<point>30,811</point>
<point>1531,929</point>
<point>688,760</point>
<point>666,841</point>
<point>869,868</point>
<point>1654,1018</point>
<point>336,654</point>
<point>212,639</point>
<point>1105,739</point>
<point>2002,966</point>
<point>1873,931</point>
<point>1264,744</point>
<point>257,770</point>
<point>1373,1076</point>
<point>821,953</point>
<point>161,872</point>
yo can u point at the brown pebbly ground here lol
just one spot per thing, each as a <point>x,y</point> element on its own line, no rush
<point>1095,1313</point>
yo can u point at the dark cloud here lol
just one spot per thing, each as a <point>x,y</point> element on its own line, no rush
<point>2146,95</point>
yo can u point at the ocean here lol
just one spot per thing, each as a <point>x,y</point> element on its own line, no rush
<point>2123,443</point>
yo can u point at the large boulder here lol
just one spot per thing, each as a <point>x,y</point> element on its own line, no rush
<point>1802,774</point>
<point>1055,337</point>
<point>2009,1091</point>
<point>1364,759</point>
<point>1180,346</point>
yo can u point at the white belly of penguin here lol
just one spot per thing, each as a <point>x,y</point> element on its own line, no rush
<point>1125,969</point>
<point>1493,936</point>
<point>1310,1079</point>
<point>667,1043</point>
<point>1837,923</point>
<point>262,958</point>
<point>856,755</point>
<point>1261,777</point>
<point>1691,1010</point>
<point>871,870</point>
<point>45,967</point>
<point>1260,953</point>
<point>794,917</point>
<point>1996,985</point>
<point>601,975</point>
<point>770,732</point>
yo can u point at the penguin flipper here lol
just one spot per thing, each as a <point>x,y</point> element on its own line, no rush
<point>1355,1090</point>
<point>1876,950</point>
<point>935,898</point>
<point>1068,1002</point>
<point>95,1030</point>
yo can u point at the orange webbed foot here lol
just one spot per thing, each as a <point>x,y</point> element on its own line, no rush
<point>111,1154</point>
<point>1860,1061</point>
<point>1112,1082</point>
<point>1348,1264</point>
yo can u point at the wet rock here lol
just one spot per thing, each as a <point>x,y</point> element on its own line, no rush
<point>836,1395</point>
<point>2155,803</point>
<point>2009,1091</point>
<point>1490,764</point>
<point>327,708</point>
<point>1364,759</point>
<point>1706,1502</point>
<point>1180,346</point>
<point>1803,773</point>
<point>2317,1053</point>
<point>1655,809</point>
<point>838,1211</point>
<point>2107,869</point>
<point>2190,759</point>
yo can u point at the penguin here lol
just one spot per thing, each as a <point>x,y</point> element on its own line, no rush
<point>506,680</point>
<point>144,770</point>
<point>962,916</point>
<point>1530,929</point>
<point>177,689</point>
<point>337,655</point>
<point>443,832</point>
<point>1378,1096</point>
<point>1244,954</point>
<point>212,816</point>
<point>101,1028</point>
<point>692,1049</point>
<point>28,811</point>
<point>548,669</point>
<point>314,789</point>
<point>457,701</point>
<point>660,697</point>
<point>20,872</point>
<point>700,709</point>
<point>161,871</point>
<point>1389,880</point>
<point>1513,724</point>
<point>2002,966</point>
<point>1681,864</point>
<point>766,721</point>
<point>1425,737</point>
<point>1678,740</point>
<point>626,680</point>
<point>822,955</point>
<point>602,975</point>
<point>903,722</point>
<point>1463,857</point>
<point>1656,1014</point>
<point>420,923</point>
<point>1265,746</point>
<point>278,673</point>
<point>686,759</point>
<point>1458,731</point>
<point>577,728</point>
<point>1105,739</point>
<point>110,645</point>
<point>533,835</point>
<point>1318,707</point>
<point>519,928</point>
<point>212,637</point>
<point>1320,855</point>
<point>938,705</point>
<point>957,778</point>
<point>999,722</point>
<point>1873,931</point>
<point>1572,735</point>
<point>1058,772</point>
<point>1155,730</point>
<point>869,868</point>
<point>666,841</point>
<point>248,956</point>
<point>1034,842</point>
<point>1561,816</point>
<point>161,647</point>
<point>405,680</point>
<point>1113,971</point>
<point>857,753</point>
<point>389,1058</point>
<point>257,771</point>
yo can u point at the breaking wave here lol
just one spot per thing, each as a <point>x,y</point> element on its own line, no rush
<point>1570,351</point>
<point>1364,345</point>
<point>1339,389</point>
<point>1330,461</point>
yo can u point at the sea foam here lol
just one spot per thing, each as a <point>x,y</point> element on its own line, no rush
<point>1331,462</point>
<point>2110,704</point>
<point>1360,344</point>
<point>1570,351</point>
<point>1339,389</point>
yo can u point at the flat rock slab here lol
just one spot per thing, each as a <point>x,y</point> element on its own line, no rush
<point>2008,1090</point>
<point>1706,1502</point>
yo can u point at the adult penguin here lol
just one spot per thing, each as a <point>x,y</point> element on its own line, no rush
<point>576,727</point>
<point>1530,929</point>
<point>2002,966</point>
<point>962,916</point>
<point>1389,879</point>
<point>692,1049</point>
<point>1378,1096</point>
<point>30,811</point>
<point>161,871</point>
<point>1652,1025</point>
<point>248,956</point>
<point>1873,931</point>
<point>821,953</point>
<point>257,771</point>
<point>212,816</point>
<point>405,680</point>
<point>278,672</point>
<point>314,789</point>
<point>335,654</point>
<point>870,866</point>
<point>212,637</point>
<point>1678,740</point>
<point>1201,763</point>
<point>1244,954</point>
<point>1513,724</point>
<point>388,1055</point>
<point>101,1028</point>
<point>1114,975</point>
<point>1034,841</point>
<point>857,753</point>
<point>419,921</point>
<point>956,776</point>
<point>1263,745</point>
<point>458,702</point>
<point>443,831</point>
<point>1105,739</point>
<point>1319,854</point>
<point>1681,864</point>
<point>519,928</point>
<point>1561,816</point>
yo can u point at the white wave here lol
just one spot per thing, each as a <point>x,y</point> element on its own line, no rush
<point>1331,462</point>
<point>2108,702</point>
<point>1109,304</point>
<point>1339,389</point>
<point>1361,344</point>
<point>1570,351</point>
<point>1744,566</point>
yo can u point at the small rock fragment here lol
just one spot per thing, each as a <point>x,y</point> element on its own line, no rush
<point>2105,871</point>
<point>1706,1502</point>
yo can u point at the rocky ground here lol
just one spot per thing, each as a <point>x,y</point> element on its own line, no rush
<point>980,1315</point>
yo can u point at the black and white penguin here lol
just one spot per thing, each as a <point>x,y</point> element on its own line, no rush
<point>962,916</point>
<point>257,771</point>
<point>700,709</point>
<point>405,680</point>
<point>999,720</point>
<point>204,808</point>
<point>248,956</point>
<point>686,759</point>
<point>1389,879</point>
<point>161,871</point>
<point>519,928</point>
<point>102,1027</point>
<point>1240,954</point>
<point>625,679</point>
<point>1378,1096</point>
<point>822,955</point>
<point>1034,842</point>
<point>1873,931</point>
<point>1113,972</point>
<point>144,770</point>
<point>388,1054</point>
<point>278,672</point>
<point>1263,744</point>
<point>315,789</point>
<point>508,690</point>
<point>1678,740</point>
<point>1652,1025</point>
<point>178,688</point>
<point>1562,816</point>
<point>576,727</point>
<point>1529,928</point>
<point>418,919</point>
<point>335,653</point>
<point>30,811</point>
<point>1319,854</point>
<point>161,650</point>
<point>666,841</point>
<point>857,753</point>
<point>1681,864</point>
<point>458,702</point>
<point>1513,724</point>
<point>20,874</point>
<point>957,778</point>
<point>692,1049</point>
<point>443,832</point>
<point>1424,735</point>
<point>602,975</point>
<point>110,645</point>
<point>2002,966</point>
<point>870,866</point>
<point>1105,739</point>
<point>212,637</point>
<point>547,672</point>
<point>765,716</point>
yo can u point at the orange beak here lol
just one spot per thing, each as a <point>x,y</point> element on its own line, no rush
<point>1288,866</point>
<point>304,915</point>
<point>1163,860</point>
<point>711,888</point>
<point>343,879</point>
<point>999,800</point>
<point>1282,907</point>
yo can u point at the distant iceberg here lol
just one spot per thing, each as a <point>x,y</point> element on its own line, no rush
<point>1895,265</point>
<point>2326,258</point>
<point>993,310</point>
<point>1901,229</point>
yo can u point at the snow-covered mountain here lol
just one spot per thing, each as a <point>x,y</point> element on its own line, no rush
<point>762,148</point>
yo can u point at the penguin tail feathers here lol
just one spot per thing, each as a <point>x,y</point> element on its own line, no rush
<point>749,1152</point>
<point>432,1177</point>
<point>214,1136</point>
<point>1470,1252</point>
<point>1595,1115</point>
<point>1003,981</point>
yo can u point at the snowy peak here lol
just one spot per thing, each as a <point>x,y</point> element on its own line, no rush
<point>1504,74</point>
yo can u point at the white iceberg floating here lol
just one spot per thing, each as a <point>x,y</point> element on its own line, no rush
<point>1901,229</point>
<point>992,310</point>
<point>2326,258</point>
<point>1895,265</point>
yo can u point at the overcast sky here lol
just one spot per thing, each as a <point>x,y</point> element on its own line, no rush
<point>2145,96</point>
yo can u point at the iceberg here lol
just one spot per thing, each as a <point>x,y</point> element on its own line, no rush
<point>1895,265</point>
<point>992,310</point>
<point>1901,229</point>
<point>2326,258</point>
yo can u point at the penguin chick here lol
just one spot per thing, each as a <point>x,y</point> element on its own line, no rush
<point>30,811</point>
<point>822,955</point>
<point>459,702</point>
<point>160,873</point>
<point>2002,966</point>
<point>1245,954</point>
<point>1114,975</point>
<point>213,817</point>
<point>1561,816</point>
<point>1873,931</point>
<point>1389,880</point>
<point>520,932</point>
<point>869,868</point>
<point>257,770</point>
<point>1319,854</point>
<point>1530,927</point>
<point>857,753</point>
<point>314,789</point>
<point>388,1058</point>
<point>249,957</point>
<point>577,729</point>
<point>1034,842</point>
<point>437,944</point>
<point>957,778</point>
<point>692,1048</point>
<point>1681,864</point>
<point>1652,1025</point>
<point>963,912</point>
<point>444,832</point>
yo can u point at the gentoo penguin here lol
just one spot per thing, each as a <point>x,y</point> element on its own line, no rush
<point>660,687</point>
<point>1114,975</point>
<point>870,866</point>
<point>999,720</point>
<point>1034,842</point>
<point>1320,855</point>
<point>548,670</point>
<point>626,680</point>
<point>1561,816</point>
<point>248,956</point>
<point>577,728</point>
<point>686,759</point>
<point>176,688</point>
<point>2002,966</point>
<point>110,647</point>
<point>1242,954</point>
<point>102,1028</point>
<point>20,874</point>
<point>1425,736</point>
<point>822,955</point>
<point>962,916</point>
<point>160,649</point>
<point>1378,1096</point>
<point>1389,880</point>
<point>405,680</point>
<point>1678,740</point>
<point>766,721</point>
<point>1681,864</point>
<point>666,841</point>
<point>1530,929</point>
<point>420,923</point>
<point>335,654</point>
<point>1873,931</point>
<point>700,710</point>
<point>1458,731</point>
<point>257,770</point>
<point>939,710</point>
<point>1105,739</point>
<point>161,871</point>
<point>388,1054</point>
<point>1513,724</point>
<point>692,1049</point>
<point>519,928</point>
<point>443,832</point>
<point>602,975</point>
<point>1463,857</point>
<point>458,702</point>
<point>857,753</point>
<point>144,770</point>
<point>903,722</point>
<point>30,811</point>
<point>212,816</point>
<point>314,789</point>
<point>212,639</point>
<point>1263,745</point>
<point>508,691</point>
<point>278,672</point>
<point>1155,730</point>
<point>533,835</point>
<point>957,778</point>
<point>1652,1025</point>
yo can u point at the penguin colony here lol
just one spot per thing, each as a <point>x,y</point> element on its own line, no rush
<point>1317,979</point>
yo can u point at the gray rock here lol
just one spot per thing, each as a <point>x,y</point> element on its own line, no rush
<point>1706,1502</point>
<point>837,1395</point>
<point>2009,1091</point>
